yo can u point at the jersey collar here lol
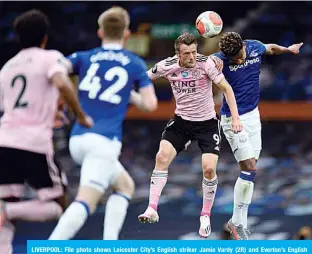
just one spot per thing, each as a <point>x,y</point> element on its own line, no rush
<point>113,46</point>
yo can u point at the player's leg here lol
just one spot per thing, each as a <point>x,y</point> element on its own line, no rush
<point>207,134</point>
<point>50,189</point>
<point>98,156</point>
<point>209,189</point>
<point>11,180</point>
<point>6,237</point>
<point>11,190</point>
<point>174,140</point>
<point>164,157</point>
<point>42,174</point>
<point>117,204</point>
<point>7,232</point>
<point>243,189</point>
<point>254,130</point>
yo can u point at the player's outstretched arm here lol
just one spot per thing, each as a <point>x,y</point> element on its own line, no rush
<point>274,49</point>
<point>63,83</point>
<point>231,101</point>
<point>145,99</point>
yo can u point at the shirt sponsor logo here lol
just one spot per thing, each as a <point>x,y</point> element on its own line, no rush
<point>248,62</point>
<point>184,86</point>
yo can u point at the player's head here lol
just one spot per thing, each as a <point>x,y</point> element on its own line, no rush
<point>31,28</point>
<point>186,49</point>
<point>114,25</point>
<point>233,47</point>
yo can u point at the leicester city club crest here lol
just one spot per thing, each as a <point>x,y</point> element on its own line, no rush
<point>196,74</point>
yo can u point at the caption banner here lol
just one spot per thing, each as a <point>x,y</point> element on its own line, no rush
<point>167,247</point>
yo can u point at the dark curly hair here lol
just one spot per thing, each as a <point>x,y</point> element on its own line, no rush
<point>185,38</point>
<point>31,27</point>
<point>231,43</point>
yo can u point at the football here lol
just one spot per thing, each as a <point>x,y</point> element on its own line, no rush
<point>209,24</point>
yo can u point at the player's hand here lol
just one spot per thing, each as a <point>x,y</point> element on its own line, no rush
<point>85,120</point>
<point>236,126</point>
<point>218,62</point>
<point>295,48</point>
<point>60,119</point>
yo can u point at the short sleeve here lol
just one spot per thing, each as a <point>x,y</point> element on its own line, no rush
<point>75,61</point>
<point>213,73</point>
<point>259,46</point>
<point>141,77</point>
<point>55,63</point>
<point>157,71</point>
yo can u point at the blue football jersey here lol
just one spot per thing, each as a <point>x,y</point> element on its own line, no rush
<point>244,78</point>
<point>106,77</point>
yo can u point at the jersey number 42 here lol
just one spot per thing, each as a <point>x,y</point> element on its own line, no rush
<point>92,83</point>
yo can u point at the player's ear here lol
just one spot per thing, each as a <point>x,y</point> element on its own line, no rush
<point>100,33</point>
<point>44,41</point>
<point>127,34</point>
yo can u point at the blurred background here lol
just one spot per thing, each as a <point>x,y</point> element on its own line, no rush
<point>282,201</point>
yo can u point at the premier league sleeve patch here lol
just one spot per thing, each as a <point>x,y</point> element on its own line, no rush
<point>154,69</point>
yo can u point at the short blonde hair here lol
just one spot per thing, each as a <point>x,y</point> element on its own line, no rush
<point>113,22</point>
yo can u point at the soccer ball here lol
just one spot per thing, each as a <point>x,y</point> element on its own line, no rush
<point>209,24</point>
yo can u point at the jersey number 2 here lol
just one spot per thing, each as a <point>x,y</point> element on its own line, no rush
<point>18,102</point>
<point>92,83</point>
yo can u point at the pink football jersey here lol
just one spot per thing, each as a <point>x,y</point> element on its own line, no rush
<point>192,87</point>
<point>29,100</point>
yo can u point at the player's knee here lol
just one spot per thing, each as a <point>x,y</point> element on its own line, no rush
<point>130,187</point>
<point>89,196</point>
<point>249,164</point>
<point>127,187</point>
<point>248,175</point>
<point>163,158</point>
<point>208,172</point>
<point>248,169</point>
<point>89,205</point>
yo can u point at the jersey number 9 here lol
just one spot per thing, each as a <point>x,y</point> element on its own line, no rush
<point>92,83</point>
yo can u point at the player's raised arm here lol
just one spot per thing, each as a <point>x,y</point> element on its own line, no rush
<point>217,77</point>
<point>274,49</point>
<point>231,101</point>
<point>145,99</point>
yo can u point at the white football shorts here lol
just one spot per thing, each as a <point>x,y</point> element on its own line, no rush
<point>98,157</point>
<point>248,143</point>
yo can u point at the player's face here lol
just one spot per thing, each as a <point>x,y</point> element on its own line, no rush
<point>240,58</point>
<point>187,55</point>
